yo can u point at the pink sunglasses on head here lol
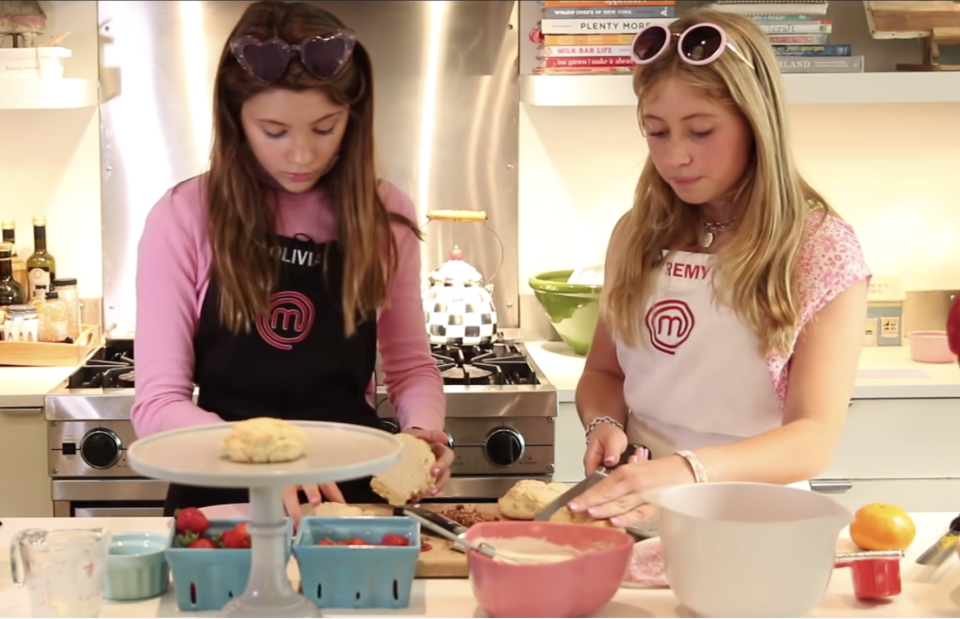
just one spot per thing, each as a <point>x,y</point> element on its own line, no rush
<point>698,45</point>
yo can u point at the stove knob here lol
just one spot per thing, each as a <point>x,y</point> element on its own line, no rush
<point>101,448</point>
<point>503,446</point>
<point>388,425</point>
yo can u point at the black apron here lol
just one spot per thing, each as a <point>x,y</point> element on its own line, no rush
<point>296,364</point>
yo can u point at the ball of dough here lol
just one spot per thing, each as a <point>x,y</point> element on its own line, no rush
<point>528,497</point>
<point>332,508</point>
<point>410,477</point>
<point>265,440</point>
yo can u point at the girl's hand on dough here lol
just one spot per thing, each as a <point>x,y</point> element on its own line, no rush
<point>444,455</point>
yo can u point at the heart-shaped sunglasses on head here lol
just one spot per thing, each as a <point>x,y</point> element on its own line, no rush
<point>323,56</point>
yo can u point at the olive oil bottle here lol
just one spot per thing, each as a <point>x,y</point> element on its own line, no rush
<point>41,265</point>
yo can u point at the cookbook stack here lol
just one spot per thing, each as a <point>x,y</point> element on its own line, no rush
<point>800,35</point>
<point>593,38</point>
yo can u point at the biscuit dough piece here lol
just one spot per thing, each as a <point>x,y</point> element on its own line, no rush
<point>410,477</point>
<point>265,440</point>
<point>332,508</point>
<point>565,515</point>
<point>528,497</point>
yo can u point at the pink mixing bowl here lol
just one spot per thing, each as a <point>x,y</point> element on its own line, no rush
<point>574,588</point>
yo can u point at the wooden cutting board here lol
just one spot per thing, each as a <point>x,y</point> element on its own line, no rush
<point>441,561</point>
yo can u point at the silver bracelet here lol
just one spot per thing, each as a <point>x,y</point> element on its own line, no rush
<point>596,422</point>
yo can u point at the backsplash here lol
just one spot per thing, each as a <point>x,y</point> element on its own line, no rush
<point>890,170</point>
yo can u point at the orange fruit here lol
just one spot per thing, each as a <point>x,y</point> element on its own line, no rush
<point>881,526</point>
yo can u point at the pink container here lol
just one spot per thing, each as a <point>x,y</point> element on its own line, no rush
<point>930,347</point>
<point>574,588</point>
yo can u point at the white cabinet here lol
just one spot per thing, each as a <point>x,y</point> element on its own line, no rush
<point>24,480</point>
<point>901,451</point>
<point>914,495</point>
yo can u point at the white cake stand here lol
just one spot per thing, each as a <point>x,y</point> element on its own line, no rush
<point>335,452</point>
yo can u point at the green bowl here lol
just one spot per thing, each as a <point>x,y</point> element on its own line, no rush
<point>571,308</point>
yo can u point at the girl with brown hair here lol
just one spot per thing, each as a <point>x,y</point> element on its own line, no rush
<point>271,280</point>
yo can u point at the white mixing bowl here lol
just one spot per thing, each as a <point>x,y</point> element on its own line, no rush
<point>734,549</point>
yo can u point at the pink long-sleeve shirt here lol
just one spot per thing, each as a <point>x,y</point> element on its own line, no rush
<point>173,265</point>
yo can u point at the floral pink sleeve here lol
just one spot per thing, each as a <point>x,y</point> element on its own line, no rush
<point>831,260</point>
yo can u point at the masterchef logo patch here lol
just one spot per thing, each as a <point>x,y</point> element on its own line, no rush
<point>288,321</point>
<point>669,323</point>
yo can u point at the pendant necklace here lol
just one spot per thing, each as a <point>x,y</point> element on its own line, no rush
<point>710,228</point>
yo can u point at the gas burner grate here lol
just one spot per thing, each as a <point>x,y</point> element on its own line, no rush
<point>112,367</point>
<point>496,364</point>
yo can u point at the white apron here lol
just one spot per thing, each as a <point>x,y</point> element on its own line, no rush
<point>699,379</point>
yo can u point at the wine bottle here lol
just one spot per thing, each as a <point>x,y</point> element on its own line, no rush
<point>41,265</point>
<point>10,291</point>
<point>9,230</point>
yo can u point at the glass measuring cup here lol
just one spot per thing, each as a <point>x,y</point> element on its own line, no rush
<point>63,570</point>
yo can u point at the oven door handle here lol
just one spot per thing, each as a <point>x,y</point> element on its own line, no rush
<point>21,411</point>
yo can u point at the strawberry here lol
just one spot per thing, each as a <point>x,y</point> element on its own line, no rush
<point>234,539</point>
<point>237,537</point>
<point>191,520</point>
<point>241,530</point>
<point>359,541</point>
<point>392,539</point>
<point>202,542</point>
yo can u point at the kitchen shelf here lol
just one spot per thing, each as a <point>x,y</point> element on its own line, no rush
<point>48,94</point>
<point>808,88</point>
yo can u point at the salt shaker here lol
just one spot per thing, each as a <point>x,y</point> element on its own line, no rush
<point>21,324</point>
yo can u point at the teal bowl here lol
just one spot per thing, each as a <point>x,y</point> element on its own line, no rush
<point>571,308</point>
<point>136,566</point>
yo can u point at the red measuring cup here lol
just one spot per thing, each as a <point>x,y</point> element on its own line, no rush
<point>876,573</point>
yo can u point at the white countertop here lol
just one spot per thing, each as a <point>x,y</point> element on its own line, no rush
<point>885,372</point>
<point>926,592</point>
<point>26,387</point>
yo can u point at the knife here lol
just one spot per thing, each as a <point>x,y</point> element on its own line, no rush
<point>427,517</point>
<point>936,554</point>
<point>601,473</point>
<point>439,520</point>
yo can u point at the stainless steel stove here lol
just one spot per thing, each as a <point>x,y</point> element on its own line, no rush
<point>501,414</point>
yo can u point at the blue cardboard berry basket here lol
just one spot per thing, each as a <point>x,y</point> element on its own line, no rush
<point>357,576</point>
<point>206,578</point>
